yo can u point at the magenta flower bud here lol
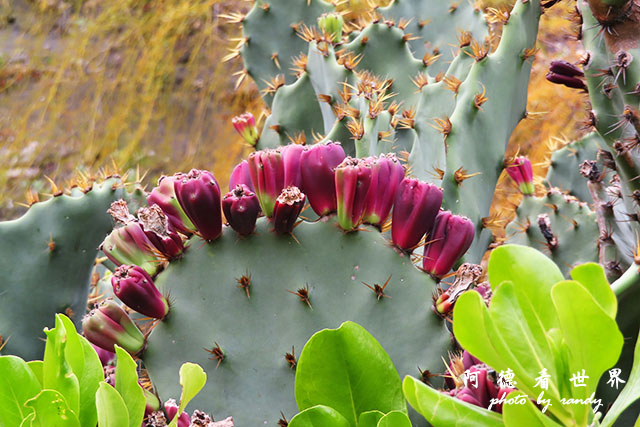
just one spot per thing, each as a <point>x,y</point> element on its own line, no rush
<point>171,408</point>
<point>450,238</point>
<point>241,175</point>
<point>353,178</point>
<point>130,245</point>
<point>241,208</point>
<point>267,174</point>
<point>317,165</point>
<point>155,225</point>
<point>386,175</point>
<point>106,357</point>
<point>287,209</point>
<point>414,211</point>
<point>522,173</point>
<point>136,289</point>
<point>108,325</point>
<point>565,68</point>
<point>572,82</point>
<point>152,402</point>
<point>165,197</point>
<point>199,196</point>
<point>245,124</point>
<point>291,155</point>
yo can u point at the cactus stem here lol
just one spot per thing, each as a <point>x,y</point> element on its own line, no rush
<point>379,290</point>
<point>291,358</point>
<point>216,354</point>
<point>244,282</point>
<point>303,294</point>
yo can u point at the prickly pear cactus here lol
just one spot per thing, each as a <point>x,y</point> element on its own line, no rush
<point>242,306</point>
<point>46,260</point>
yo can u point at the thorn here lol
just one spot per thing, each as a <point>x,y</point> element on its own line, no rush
<point>217,354</point>
<point>379,290</point>
<point>303,294</point>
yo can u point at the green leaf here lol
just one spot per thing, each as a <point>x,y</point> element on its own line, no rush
<point>17,385</point>
<point>517,415</point>
<point>349,371</point>
<point>395,419</point>
<point>319,416</point>
<point>36,367</point>
<point>531,270</point>
<point>56,372</point>
<point>128,387</point>
<point>51,409</point>
<point>192,379</point>
<point>85,364</point>
<point>112,411</point>
<point>594,279</point>
<point>370,418</point>
<point>442,410</point>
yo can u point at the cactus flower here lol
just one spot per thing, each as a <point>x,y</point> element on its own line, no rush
<point>136,289</point>
<point>164,196</point>
<point>522,173</point>
<point>199,196</point>
<point>155,225</point>
<point>241,208</point>
<point>287,209</point>
<point>129,245</point>
<point>450,238</point>
<point>317,165</point>
<point>108,325</point>
<point>171,409</point>
<point>245,124</point>
<point>291,155</point>
<point>386,174</point>
<point>267,174</point>
<point>353,178</point>
<point>414,211</point>
<point>331,24</point>
<point>241,175</point>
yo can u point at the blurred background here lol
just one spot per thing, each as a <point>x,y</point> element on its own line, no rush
<point>121,85</point>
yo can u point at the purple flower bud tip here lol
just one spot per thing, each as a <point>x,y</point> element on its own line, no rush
<point>267,174</point>
<point>565,68</point>
<point>241,176</point>
<point>171,409</point>
<point>241,209</point>
<point>291,155</point>
<point>572,82</point>
<point>108,325</point>
<point>245,125</point>
<point>317,166</point>
<point>136,289</point>
<point>155,225</point>
<point>386,175</point>
<point>521,171</point>
<point>288,206</point>
<point>450,238</point>
<point>106,357</point>
<point>353,179</point>
<point>164,196</point>
<point>414,211</point>
<point>199,196</point>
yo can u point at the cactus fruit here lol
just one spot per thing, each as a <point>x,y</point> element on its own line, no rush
<point>241,209</point>
<point>245,125</point>
<point>448,241</point>
<point>415,209</point>
<point>109,325</point>
<point>199,196</point>
<point>521,172</point>
<point>288,206</point>
<point>133,286</point>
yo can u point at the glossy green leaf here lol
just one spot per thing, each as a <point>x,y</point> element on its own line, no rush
<point>112,411</point>
<point>36,367</point>
<point>594,279</point>
<point>28,420</point>
<point>395,419</point>
<point>517,415</point>
<point>442,410</point>
<point>369,418</point>
<point>192,379</point>
<point>319,416</point>
<point>348,370</point>
<point>17,385</point>
<point>85,364</point>
<point>128,387</point>
<point>51,409</point>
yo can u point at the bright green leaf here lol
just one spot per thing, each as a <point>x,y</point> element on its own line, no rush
<point>36,367</point>
<point>17,385</point>
<point>369,418</point>
<point>593,278</point>
<point>517,415</point>
<point>192,379</point>
<point>112,411</point>
<point>51,409</point>
<point>128,387</point>
<point>394,419</point>
<point>28,420</point>
<point>348,370</point>
<point>319,416</point>
<point>442,410</point>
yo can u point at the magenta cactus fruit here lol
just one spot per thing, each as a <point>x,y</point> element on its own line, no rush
<point>129,245</point>
<point>245,125</point>
<point>241,175</point>
<point>317,165</point>
<point>108,325</point>
<point>171,409</point>
<point>156,227</point>
<point>414,211</point>
<point>199,196</point>
<point>267,174</point>
<point>386,175</point>
<point>164,196</point>
<point>136,289</point>
<point>569,80</point>
<point>288,206</point>
<point>241,209</point>
<point>521,172</point>
<point>291,155</point>
<point>450,238</point>
<point>353,178</point>
<point>559,66</point>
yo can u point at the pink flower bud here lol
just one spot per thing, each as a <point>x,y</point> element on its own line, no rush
<point>241,208</point>
<point>317,165</point>
<point>199,196</point>
<point>241,175</point>
<point>245,124</point>
<point>291,155</point>
<point>415,208</point>
<point>136,289</point>
<point>165,197</point>
<point>267,174</point>
<point>386,175</point>
<point>108,325</point>
<point>288,206</point>
<point>522,173</point>
<point>106,357</point>
<point>353,178</point>
<point>450,238</point>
